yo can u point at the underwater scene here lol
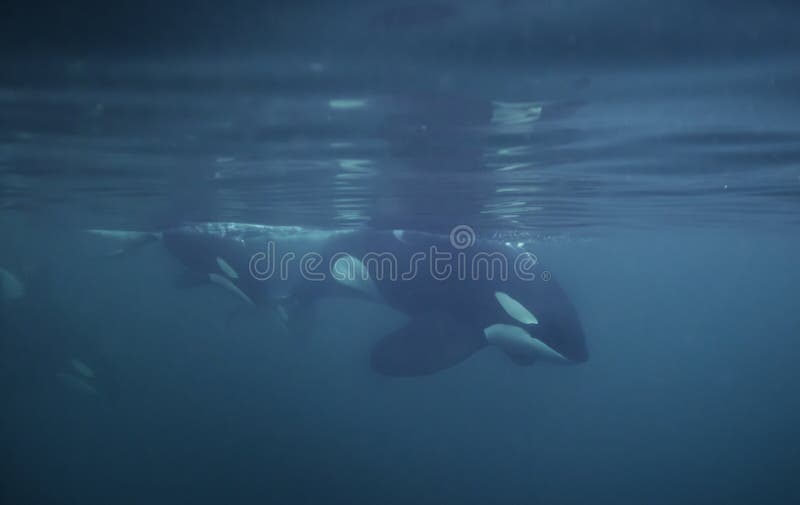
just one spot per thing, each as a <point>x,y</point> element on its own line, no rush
<point>400,252</point>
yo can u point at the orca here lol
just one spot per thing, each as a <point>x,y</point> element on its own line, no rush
<point>460,294</point>
<point>11,288</point>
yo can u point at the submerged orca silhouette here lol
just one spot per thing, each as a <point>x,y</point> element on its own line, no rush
<point>460,294</point>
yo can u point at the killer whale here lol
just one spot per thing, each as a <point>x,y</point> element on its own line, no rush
<point>456,306</point>
<point>11,288</point>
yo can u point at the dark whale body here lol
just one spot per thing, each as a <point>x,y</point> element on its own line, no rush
<point>451,316</point>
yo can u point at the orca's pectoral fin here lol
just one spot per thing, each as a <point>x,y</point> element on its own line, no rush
<point>426,345</point>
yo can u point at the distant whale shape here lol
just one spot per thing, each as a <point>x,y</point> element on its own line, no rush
<point>11,288</point>
<point>459,293</point>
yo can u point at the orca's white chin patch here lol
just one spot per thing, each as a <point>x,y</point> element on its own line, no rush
<point>515,309</point>
<point>515,341</point>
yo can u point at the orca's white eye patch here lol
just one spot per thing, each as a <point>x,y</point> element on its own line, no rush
<point>515,309</point>
<point>227,268</point>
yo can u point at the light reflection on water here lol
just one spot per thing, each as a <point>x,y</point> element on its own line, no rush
<point>519,150</point>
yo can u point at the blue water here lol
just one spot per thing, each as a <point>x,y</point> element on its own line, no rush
<point>647,152</point>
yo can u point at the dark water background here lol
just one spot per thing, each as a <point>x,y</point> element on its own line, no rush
<point>647,152</point>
